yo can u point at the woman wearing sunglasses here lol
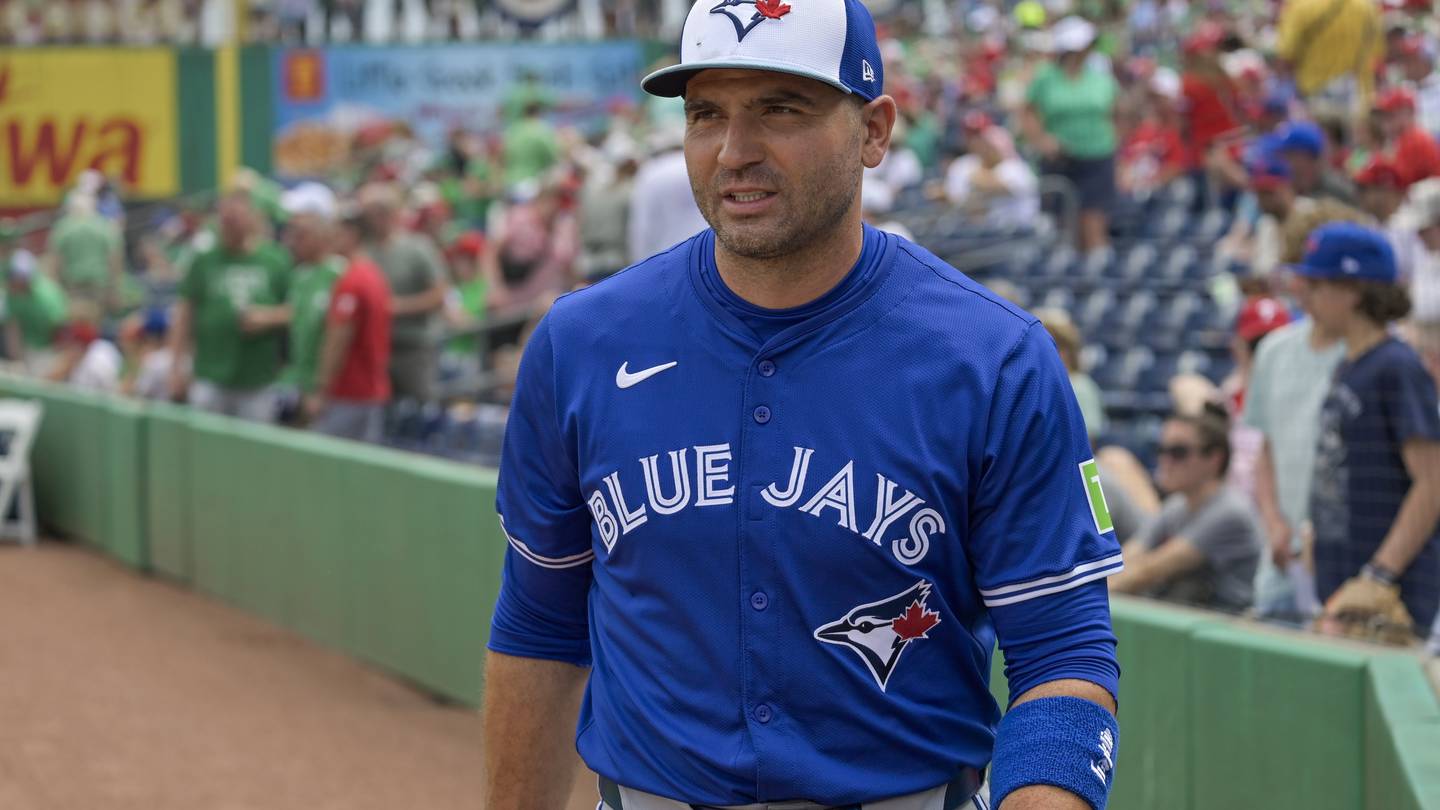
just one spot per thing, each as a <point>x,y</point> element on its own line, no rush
<point>1203,546</point>
<point>1376,496</point>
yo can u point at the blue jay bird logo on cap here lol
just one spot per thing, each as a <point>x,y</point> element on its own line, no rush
<point>880,631</point>
<point>764,10</point>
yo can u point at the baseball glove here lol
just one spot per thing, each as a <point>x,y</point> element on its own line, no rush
<point>1367,609</point>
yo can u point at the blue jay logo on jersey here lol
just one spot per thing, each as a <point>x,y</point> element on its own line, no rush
<point>880,631</point>
<point>764,10</point>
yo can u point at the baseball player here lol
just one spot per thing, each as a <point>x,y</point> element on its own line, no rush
<point>773,495</point>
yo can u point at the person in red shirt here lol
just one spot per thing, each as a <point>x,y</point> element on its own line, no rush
<point>1153,153</point>
<point>1412,151</point>
<point>1208,92</point>
<point>352,383</point>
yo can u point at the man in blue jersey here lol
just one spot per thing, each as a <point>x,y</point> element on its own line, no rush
<point>773,495</point>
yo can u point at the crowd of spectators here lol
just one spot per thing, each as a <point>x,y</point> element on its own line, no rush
<point>1309,474</point>
<point>311,22</point>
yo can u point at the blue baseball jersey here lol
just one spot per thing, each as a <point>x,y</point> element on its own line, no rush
<point>786,541</point>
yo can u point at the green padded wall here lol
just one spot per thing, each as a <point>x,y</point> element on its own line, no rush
<point>88,467</point>
<point>123,530</point>
<point>1268,707</point>
<point>167,490</point>
<point>1402,737</point>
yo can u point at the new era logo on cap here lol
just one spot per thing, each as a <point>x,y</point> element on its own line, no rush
<point>831,41</point>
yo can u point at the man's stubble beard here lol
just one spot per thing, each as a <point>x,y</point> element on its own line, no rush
<point>824,201</point>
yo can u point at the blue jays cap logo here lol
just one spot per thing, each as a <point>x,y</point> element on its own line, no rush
<point>764,10</point>
<point>880,631</point>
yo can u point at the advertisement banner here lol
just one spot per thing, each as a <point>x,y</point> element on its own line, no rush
<point>324,97</point>
<point>65,110</point>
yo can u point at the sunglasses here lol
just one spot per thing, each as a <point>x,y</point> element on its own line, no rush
<point>1178,452</point>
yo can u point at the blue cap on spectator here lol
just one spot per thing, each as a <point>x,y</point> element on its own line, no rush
<point>157,322</point>
<point>1276,103</point>
<point>1303,136</point>
<point>1268,171</point>
<point>1347,250</point>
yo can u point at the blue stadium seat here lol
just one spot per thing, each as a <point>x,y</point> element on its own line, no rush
<point>1093,313</point>
<point>1061,262</point>
<point>1138,263</point>
<point>1134,311</point>
<point>1177,263</point>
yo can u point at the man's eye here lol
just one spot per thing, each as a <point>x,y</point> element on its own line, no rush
<point>702,115</point>
<point>783,110</point>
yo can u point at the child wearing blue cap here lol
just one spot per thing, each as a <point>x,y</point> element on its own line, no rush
<point>1376,495</point>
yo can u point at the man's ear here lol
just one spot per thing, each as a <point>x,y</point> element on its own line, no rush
<point>878,119</point>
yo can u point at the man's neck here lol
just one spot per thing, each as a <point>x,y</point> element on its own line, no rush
<point>1362,336</point>
<point>1322,339</point>
<point>1200,495</point>
<point>796,279</point>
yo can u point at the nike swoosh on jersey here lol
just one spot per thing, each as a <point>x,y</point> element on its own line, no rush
<point>624,379</point>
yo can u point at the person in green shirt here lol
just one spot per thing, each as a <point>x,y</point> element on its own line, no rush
<point>465,304</point>
<point>236,359</point>
<point>531,147</point>
<point>35,307</point>
<point>1070,119</point>
<point>310,211</point>
<point>85,252</point>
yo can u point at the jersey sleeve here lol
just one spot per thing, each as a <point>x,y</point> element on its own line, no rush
<point>1408,399</point>
<point>1038,520</point>
<point>344,300</point>
<point>542,611</point>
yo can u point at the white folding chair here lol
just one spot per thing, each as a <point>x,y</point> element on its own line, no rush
<point>19,421</point>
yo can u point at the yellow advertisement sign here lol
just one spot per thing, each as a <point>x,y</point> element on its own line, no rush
<point>65,110</point>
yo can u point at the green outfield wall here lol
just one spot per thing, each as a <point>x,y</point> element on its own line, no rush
<point>395,558</point>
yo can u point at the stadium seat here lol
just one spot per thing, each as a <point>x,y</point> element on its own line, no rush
<point>1092,314</point>
<point>1138,263</point>
<point>1135,310</point>
<point>19,422</point>
<point>1175,267</point>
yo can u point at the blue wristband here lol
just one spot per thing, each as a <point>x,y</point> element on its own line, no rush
<point>1067,742</point>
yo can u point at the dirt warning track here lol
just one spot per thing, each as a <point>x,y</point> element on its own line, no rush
<point>124,693</point>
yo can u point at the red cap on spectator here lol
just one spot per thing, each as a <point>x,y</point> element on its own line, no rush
<point>1259,317</point>
<point>1395,99</point>
<point>470,243</point>
<point>81,332</point>
<point>976,121</point>
<point>1379,172</point>
<point>1206,38</point>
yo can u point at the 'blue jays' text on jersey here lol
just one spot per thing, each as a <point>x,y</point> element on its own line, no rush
<point>787,559</point>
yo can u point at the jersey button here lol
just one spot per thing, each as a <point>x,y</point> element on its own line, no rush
<point>767,368</point>
<point>763,713</point>
<point>762,414</point>
<point>759,600</point>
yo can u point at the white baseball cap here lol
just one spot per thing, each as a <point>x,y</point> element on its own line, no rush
<point>310,198</point>
<point>1072,34</point>
<point>832,41</point>
<point>1422,207</point>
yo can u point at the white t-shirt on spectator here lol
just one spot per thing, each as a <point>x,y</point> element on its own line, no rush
<point>1425,287</point>
<point>1021,205</point>
<point>152,379</point>
<point>99,368</point>
<point>900,169</point>
<point>662,208</point>
<point>1427,104</point>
